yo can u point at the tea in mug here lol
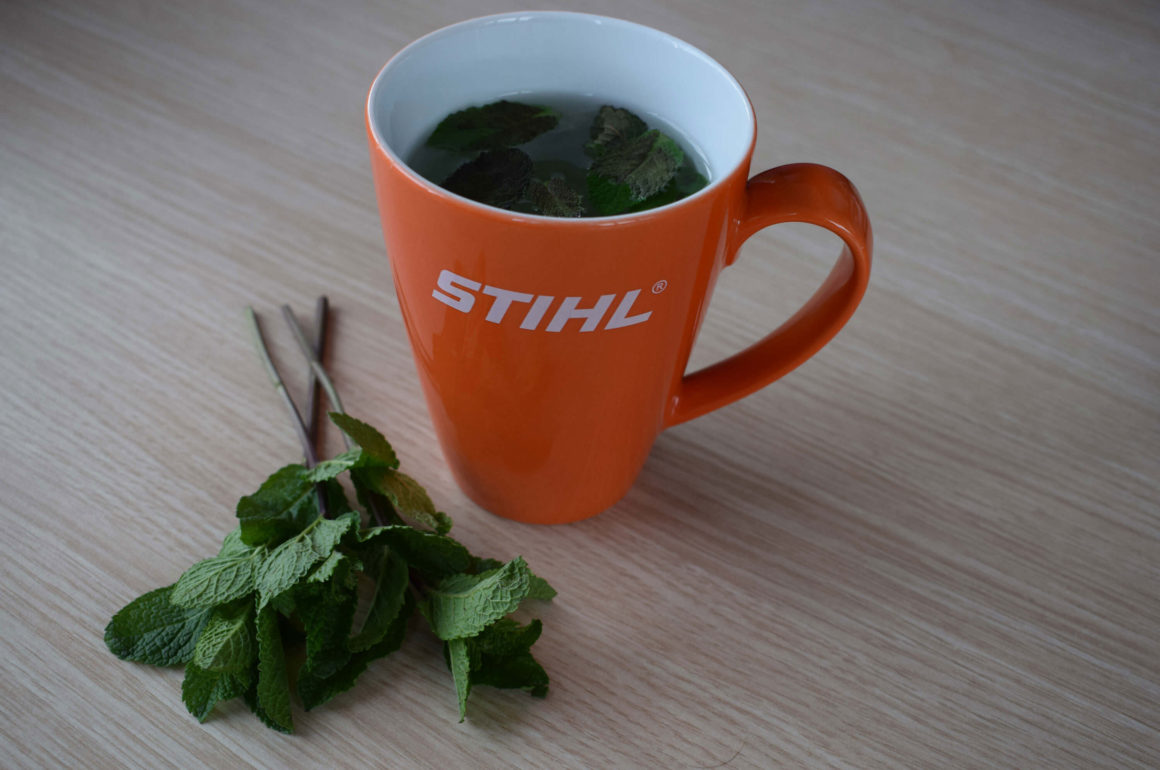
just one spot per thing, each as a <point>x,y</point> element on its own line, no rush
<point>560,155</point>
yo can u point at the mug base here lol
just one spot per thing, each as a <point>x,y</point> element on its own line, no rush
<point>529,510</point>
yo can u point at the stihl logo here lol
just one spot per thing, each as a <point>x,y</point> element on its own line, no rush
<point>460,293</point>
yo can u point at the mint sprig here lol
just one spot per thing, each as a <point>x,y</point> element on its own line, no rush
<point>310,590</point>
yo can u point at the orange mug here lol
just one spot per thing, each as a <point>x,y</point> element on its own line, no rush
<point>552,351</point>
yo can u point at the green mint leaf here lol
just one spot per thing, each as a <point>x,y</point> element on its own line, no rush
<point>442,523</point>
<point>337,563</point>
<point>463,605</point>
<point>435,556</point>
<point>283,604</point>
<point>364,483</point>
<point>271,698</point>
<point>289,562</point>
<point>391,579</point>
<point>227,642</point>
<point>608,197</point>
<point>233,545</point>
<point>460,664</point>
<point>282,506</point>
<point>407,496</point>
<point>492,126</point>
<point>670,194</point>
<point>336,498</point>
<point>479,565</point>
<point>611,127</point>
<point>218,580</point>
<point>495,178</point>
<point>506,637</point>
<point>151,629</point>
<point>314,690</point>
<point>687,181</point>
<point>538,588</point>
<point>351,459</point>
<point>328,469</point>
<point>201,690</point>
<point>555,198</point>
<point>326,611</point>
<point>377,450</point>
<point>501,657</point>
<point>645,164</point>
<point>633,171</point>
<point>250,698</point>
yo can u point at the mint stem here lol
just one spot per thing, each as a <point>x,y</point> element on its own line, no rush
<point>321,311</point>
<point>315,364</point>
<point>295,416</point>
<point>374,503</point>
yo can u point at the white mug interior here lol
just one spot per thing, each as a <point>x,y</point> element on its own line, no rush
<point>510,55</point>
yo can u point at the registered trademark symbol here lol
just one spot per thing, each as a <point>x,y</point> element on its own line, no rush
<point>660,286</point>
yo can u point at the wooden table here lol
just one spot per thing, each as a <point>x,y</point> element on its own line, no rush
<point>934,545</point>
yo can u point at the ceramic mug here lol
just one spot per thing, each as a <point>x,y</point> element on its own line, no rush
<point>552,351</point>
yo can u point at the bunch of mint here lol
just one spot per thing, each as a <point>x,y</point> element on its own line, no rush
<point>633,168</point>
<point>302,596</point>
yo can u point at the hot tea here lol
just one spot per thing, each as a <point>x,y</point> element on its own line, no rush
<point>560,155</point>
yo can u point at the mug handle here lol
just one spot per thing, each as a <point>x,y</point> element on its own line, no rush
<point>799,192</point>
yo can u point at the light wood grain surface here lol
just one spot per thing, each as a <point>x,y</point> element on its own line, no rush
<point>934,545</point>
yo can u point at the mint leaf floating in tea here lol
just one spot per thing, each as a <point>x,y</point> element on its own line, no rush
<point>596,159</point>
<point>687,181</point>
<point>302,592</point>
<point>492,126</point>
<point>611,127</point>
<point>555,198</point>
<point>632,171</point>
<point>496,177</point>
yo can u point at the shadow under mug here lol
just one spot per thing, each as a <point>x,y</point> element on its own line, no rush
<point>552,351</point>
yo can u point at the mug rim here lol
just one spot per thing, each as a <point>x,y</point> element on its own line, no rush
<point>494,211</point>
